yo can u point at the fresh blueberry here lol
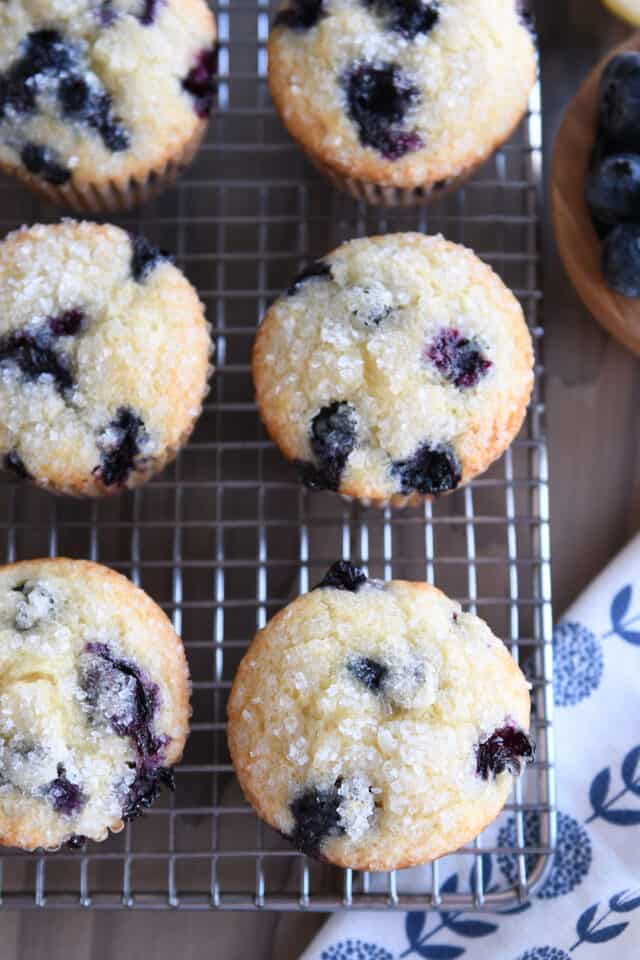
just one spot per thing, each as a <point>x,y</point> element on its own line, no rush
<point>431,470</point>
<point>301,14</point>
<point>459,360</point>
<point>145,789</point>
<point>318,270</point>
<point>66,324</point>
<point>120,443</point>
<point>76,841</point>
<point>613,189</point>
<point>35,358</point>
<point>619,97</point>
<point>316,816</point>
<point>343,575</point>
<point>410,18</point>
<point>15,464</point>
<point>370,673</point>
<point>65,797</point>
<point>149,11</point>
<point>379,96</point>
<point>144,258</point>
<point>200,81</point>
<point>117,692</point>
<point>43,162</point>
<point>621,259</point>
<point>508,748</point>
<point>333,437</point>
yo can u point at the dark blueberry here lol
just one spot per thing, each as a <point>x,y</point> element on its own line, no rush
<point>65,797</point>
<point>379,96</point>
<point>613,189</point>
<point>316,817</point>
<point>105,13</point>
<point>301,14</point>
<point>524,11</point>
<point>120,445</point>
<point>431,470</point>
<point>82,104</point>
<point>333,437</point>
<point>149,11</point>
<point>45,51</point>
<point>35,358</point>
<point>318,270</point>
<point>459,360</point>
<point>508,748</point>
<point>620,102</point>
<point>407,17</point>
<point>14,463</point>
<point>144,258</point>
<point>76,841</point>
<point>145,789</point>
<point>621,259</point>
<point>43,162</point>
<point>66,324</point>
<point>343,575</point>
<point>368,672</point>
<point>200,81</point>
<point>116,687</point>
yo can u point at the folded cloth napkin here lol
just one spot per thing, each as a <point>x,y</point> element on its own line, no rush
<point>589,905</point>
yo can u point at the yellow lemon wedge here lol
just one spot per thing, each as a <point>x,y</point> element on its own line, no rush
<point>627,9</point>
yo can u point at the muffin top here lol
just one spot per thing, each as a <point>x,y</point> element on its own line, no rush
<point>377,725</point>
<point>396,366</point>
<point>104,355</point>
<point>100,89</point>
<point>94,701</point>
<point>400,92</point>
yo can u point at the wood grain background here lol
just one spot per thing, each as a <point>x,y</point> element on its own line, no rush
<point>593,394</point>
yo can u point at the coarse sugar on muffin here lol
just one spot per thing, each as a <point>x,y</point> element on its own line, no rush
<point>94,702</point>
<point>397,99</point>
<point>377,725</point>
<point>104,357</point>
<point>102,102</point>
<point>395,368</point>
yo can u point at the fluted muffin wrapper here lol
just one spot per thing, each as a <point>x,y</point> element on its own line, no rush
<point>118,194</point>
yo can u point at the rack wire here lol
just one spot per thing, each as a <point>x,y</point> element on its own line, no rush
<point>226,536</point>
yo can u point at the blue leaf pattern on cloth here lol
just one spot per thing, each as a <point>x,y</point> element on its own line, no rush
<point>619,608</point>
<point>631,771</point>
<point>571,861</point>
<point>578,663</point>
<point>544,953</point>
<point>603,806</point>
<point>355,950</point>
<point>439,951</point>
<point>414,925</point>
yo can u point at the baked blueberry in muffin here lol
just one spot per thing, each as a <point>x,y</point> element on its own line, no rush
<point>94,704</point>
<point>394,99</point>
<point>394,369</point>
<point>101,102</point>
<point>104,357</point>
<point>375,724</point>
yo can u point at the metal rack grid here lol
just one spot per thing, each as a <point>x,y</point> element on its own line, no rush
<point>226,536</point>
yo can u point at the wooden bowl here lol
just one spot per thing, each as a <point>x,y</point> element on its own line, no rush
<point>579,244</point>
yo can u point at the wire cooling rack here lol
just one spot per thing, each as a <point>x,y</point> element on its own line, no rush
<point>226,536</point>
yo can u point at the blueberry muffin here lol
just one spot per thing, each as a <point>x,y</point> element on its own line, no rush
<point>377,725</point>
<point>94,702</point>
<point>104,357</point>
<point>102,102</point>
<point>396,99</point>
<point>394,369</point>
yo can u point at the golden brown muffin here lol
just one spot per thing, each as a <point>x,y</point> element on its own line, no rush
<point>94,702</point>
<point>102,103</point>
<point>376,725</point>
<point>104,357</point>
<point>394,369</point>
<point>394,100</point>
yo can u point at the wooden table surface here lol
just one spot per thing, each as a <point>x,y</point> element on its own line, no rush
<point>593,394</point>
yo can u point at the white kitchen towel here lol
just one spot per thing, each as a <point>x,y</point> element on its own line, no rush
<point>589,906</point>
